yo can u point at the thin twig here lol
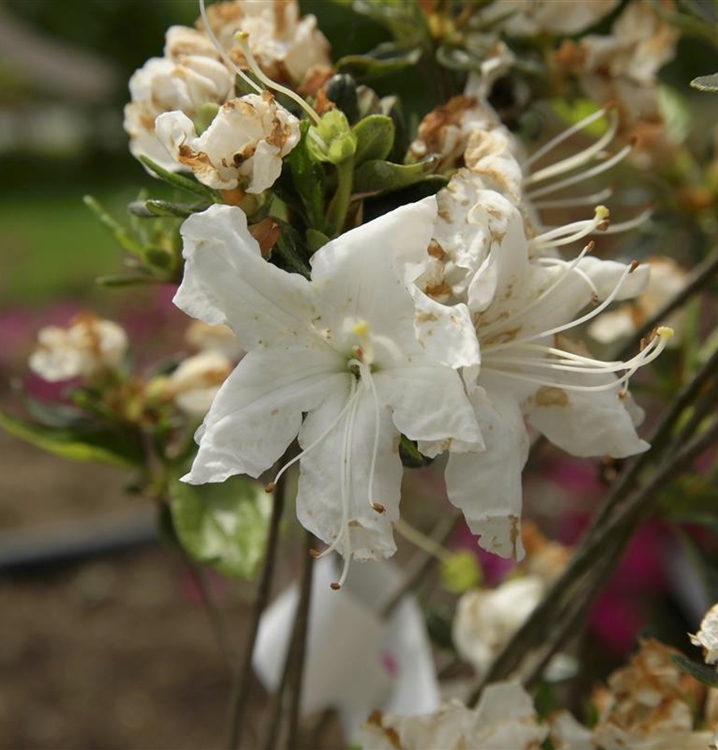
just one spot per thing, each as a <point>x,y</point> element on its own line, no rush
<point>295,652</point>
<point>299,645</point>
<point>243,676</point>
<point>614,531</point>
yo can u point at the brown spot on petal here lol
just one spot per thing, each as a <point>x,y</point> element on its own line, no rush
<point>549,396</point>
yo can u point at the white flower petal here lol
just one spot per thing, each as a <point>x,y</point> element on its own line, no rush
<point>486,485</point>
<point>593,423</point>
<point>358,275</point>
<point>226,280</point>
<point>329,509</point>
<point>428,404</point>
<point>258,411</point>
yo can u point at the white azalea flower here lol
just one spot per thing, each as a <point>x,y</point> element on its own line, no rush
<point>341,349</point>
<point>188,76</point>
<point>286,46</point>
<point>486,619</point>
<point>521,306</point>
<point>243,145</point>
<point>196,381</point>
<point>504,718</point>
<point>707,636</point>
<point>85,348</point>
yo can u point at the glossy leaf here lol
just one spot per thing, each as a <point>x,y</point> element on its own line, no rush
<point>701,672</point>
<point>177,180</point>
<point>368,67</point>
<point>706,83</point>
<point>154,208</point>
<point>378,176</point>
<point>375,138</point>
<point>222,525</point>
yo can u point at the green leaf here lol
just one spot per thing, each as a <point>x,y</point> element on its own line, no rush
<point>308,178</point>
<point>123,238</point>
<point>369,67</point>
<point>375,138</point>
<point>315,240</point>
<point>290,251</point>
<point>159,258</point>
<point>177,180</point>
<point>410,455</point>
<point>377,176</point>
<point>222,525</point>
<point>81,443</point>
<point>153,208</point>
<point>701,672</point>
<point>123,281</point>
<point>706,83</point>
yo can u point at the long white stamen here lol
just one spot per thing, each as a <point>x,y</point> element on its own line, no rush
<point>223,54</point>
<point>572,266</point>
<point>572,324</point>
<point>577,160</point>
<point>595,366</point>
<point>577,270</point>
<point>365,371</point>
<point>569,233</point>
<point>625,226</point>
<point>316,442</point>
<point>242,37</point>
<point>345,481</point>
<point>598,169</point>
<point>584,200</point>
<point>650,353</point>
<point>565,135</point>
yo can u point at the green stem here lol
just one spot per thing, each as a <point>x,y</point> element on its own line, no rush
<point>339,205</point>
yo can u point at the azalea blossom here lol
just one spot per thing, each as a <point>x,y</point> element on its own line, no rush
<point>707,636</point>
<point>522,303</point>
<point>343,349</point>
<point>87,347</point>
<point>648,704</point>
<point>189,76</point>
<point>196,381</point>
<point>504,718</point>
<point>622,67</point>
<point>243,145</point>
<point>533,17</point>
<point>286,46</point>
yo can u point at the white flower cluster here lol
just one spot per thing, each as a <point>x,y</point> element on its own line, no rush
<point>443,321</point>
<point>184,113</point>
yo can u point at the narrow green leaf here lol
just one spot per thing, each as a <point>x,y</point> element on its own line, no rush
<point>410,454</point>
<point>123,238</point>
<point>290,251</point>
<point>122,281</point>
<point>308,178</point>
<point>369,67</point>
<point>375,138</point>
<point>177,180</point>
<point>153,208</point>
<point>315,240</point>
<point>85,443</point>
<point>701,672</point>
<point>222,525</point>
<point>377,176</point>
